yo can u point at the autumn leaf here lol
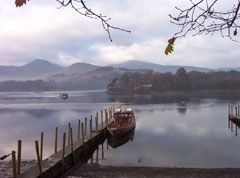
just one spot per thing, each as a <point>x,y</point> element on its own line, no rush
<point>169,48</point>
<point>20,3</point>
<point>235,32</point>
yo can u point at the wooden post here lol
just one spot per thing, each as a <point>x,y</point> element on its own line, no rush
<point>91,139</point>
<point>63,151</point>
<point>102,119</point>
<point>38,158</point>
<point>69,136</point>
<point>56,139</point>
<point>79,125</point>
<point>91,129</point>
<point>82,133</point>
<point>106,117</point>
<point>19,157</point>
<point>14,172</point>
<point>71,140</point>
<point>85,131</point>
<point>41,147</point>
<point>107,144</point>
<point>96,122</point>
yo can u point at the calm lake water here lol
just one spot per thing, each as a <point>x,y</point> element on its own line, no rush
<point>172,130</point>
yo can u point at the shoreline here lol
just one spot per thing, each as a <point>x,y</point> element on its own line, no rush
<point>99,171</point>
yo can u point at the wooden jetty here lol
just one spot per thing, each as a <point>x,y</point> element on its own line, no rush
<point>71,154</point>
<point>234,118</point>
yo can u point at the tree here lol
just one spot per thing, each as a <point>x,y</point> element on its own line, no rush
<point>200,17</point>
<point>205,17</point>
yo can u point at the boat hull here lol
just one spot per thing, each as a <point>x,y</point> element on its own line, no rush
<point>119,129</point>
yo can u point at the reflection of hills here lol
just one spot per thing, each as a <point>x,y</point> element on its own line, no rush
<point>119,141</point>
<point>183,97</point>
<point>34,113</point>
<point>40,113</point>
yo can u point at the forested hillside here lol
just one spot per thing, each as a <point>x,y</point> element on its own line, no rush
<point>181,81</point>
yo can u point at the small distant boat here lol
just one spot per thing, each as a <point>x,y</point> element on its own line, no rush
<point>64,95</point>
<point>124,121</point>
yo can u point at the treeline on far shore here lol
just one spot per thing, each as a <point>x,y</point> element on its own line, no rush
<point>51,85</point>
<point>151,82</point>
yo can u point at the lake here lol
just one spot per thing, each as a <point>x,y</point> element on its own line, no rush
<point>172,130</point>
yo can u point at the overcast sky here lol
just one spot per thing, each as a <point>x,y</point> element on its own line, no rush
<point>40,30</point>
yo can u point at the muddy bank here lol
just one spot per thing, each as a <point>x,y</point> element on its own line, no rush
<point>6,167</point>
<point>98,171</point>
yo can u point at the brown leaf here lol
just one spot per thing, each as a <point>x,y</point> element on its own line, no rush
<point>235,32</point>
<point>20,3</point>
<point>171,41</point>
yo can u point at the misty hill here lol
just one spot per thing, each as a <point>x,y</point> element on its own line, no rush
<point>74,69</point>
<point>135,64</point>
<point>28,71</point>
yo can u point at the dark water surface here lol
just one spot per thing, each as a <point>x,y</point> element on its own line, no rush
<point>183,130</point>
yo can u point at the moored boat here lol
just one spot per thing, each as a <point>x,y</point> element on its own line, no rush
<point>123,122</point>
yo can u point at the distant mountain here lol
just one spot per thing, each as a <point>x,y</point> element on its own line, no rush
<point>135,64</point>
<point>28,71</point>
<point>40,66</point>
<point>229,69</point>
<point>74,69</point>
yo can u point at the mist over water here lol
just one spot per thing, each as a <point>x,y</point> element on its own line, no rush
<point>183,130</point>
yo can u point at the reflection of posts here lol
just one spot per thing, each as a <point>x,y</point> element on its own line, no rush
<point>238,110</point>
<point>236,130</point>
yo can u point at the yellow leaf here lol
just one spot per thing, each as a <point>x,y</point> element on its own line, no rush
<point>169,49</point>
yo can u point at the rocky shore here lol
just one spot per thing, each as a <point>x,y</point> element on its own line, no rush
<point>98,171</point>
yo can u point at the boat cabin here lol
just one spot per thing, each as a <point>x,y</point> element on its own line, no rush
<point>123,115</point>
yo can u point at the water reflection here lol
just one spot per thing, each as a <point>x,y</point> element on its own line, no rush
<point>185,130</point>
<point>121,140</point>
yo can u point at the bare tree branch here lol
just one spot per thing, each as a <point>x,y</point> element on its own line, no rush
<point>84,10</point>
<point>202,18</point>
<point>80,7</point>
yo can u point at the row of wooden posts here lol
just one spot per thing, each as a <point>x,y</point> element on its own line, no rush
<point>82,126</point>
<point>233,118</point>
